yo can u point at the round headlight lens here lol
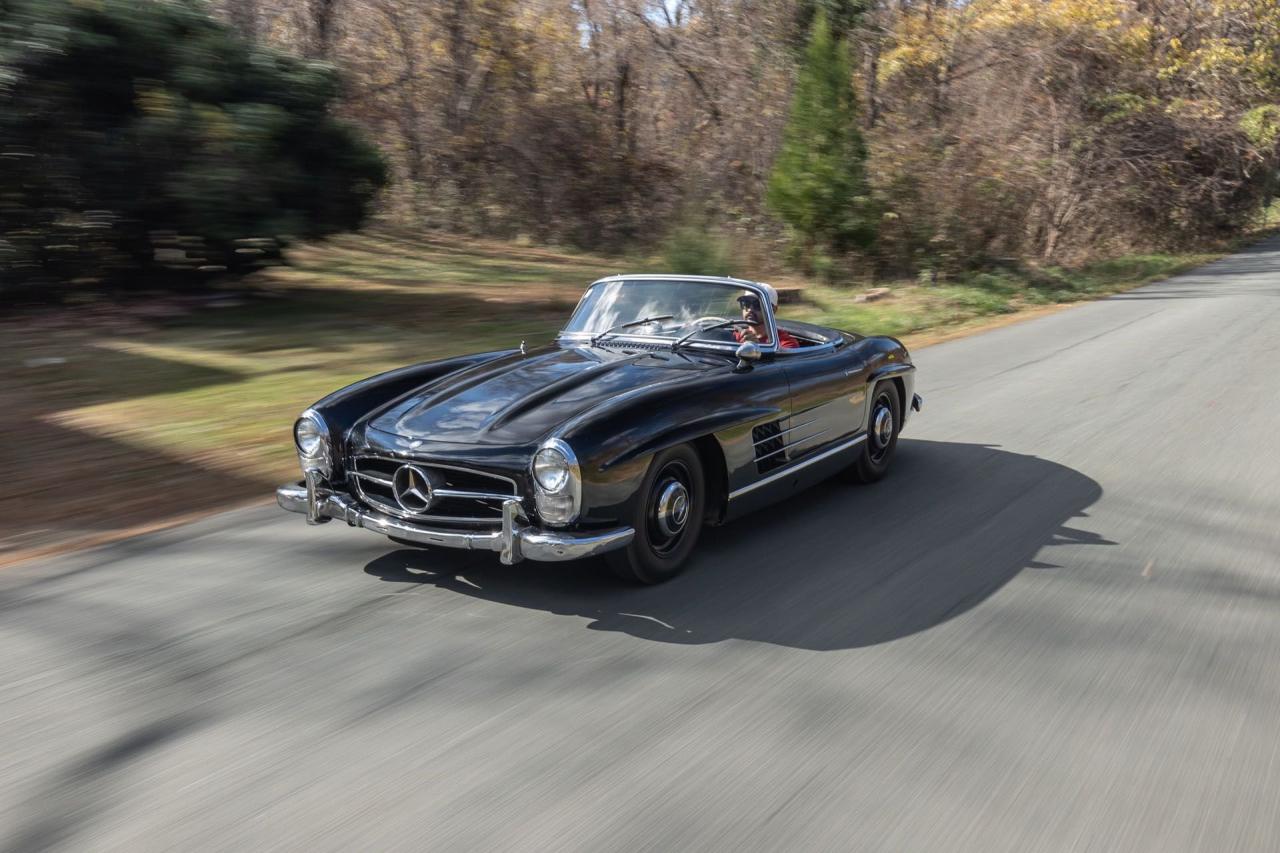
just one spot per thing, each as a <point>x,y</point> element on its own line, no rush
<point>551,469</point>
<point>309,436</point>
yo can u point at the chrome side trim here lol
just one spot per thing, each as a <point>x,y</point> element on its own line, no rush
<point>782,432</point>
<point>791,469</point>
<point>513,542</point>
<point>792,446</point>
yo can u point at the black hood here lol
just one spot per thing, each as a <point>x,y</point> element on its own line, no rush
<point>521,399</point>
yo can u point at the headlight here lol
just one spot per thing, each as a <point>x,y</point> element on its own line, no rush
<point>558,482</point>
<point>309,435</point>
<point>551,469</point>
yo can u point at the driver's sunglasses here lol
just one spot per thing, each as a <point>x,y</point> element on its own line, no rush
<point>749,302</point>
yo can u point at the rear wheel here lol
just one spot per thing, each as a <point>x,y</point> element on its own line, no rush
<point>883,425</point>
<point>667,518</point>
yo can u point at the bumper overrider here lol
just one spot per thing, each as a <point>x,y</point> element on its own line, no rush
<point>515,541</point>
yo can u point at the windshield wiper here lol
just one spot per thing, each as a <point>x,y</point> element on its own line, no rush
<point>618,328</point>
<point>725,324</point>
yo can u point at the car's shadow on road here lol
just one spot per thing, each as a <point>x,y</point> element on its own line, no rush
<point>836,567</point>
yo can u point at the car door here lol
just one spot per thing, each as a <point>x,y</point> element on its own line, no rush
<point>818,434</point>
<point>828,398</point>
<point>750,446</point>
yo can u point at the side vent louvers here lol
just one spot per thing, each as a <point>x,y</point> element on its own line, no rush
<point>768,446</point>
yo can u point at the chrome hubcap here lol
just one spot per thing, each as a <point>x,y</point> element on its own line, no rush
<point>883,426</point>
<point>673,508</point>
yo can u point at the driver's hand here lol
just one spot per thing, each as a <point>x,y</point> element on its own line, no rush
<point>749,334</point>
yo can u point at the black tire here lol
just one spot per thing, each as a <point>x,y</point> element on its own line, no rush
<point>667,528</point>
<point>882,436</point>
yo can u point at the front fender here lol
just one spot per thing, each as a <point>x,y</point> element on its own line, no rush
<point>689,430</point>
<point>616,449</point>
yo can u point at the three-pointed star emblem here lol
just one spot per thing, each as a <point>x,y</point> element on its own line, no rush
<point>412,488</point>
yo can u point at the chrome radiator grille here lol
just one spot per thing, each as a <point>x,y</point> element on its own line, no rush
<point>429,491</point>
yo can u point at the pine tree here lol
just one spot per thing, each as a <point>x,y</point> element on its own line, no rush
<point>819,186</point>
<point>124,119</point>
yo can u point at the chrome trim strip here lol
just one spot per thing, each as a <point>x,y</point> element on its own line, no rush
<point>398,512</point>
<point>394,510</point>
<point>663,343</point>
<point>792,446</point>
<point>443,493</point>
<point>771,321</point>
<point>782,432</point>
<point>513,542</point>
<point>809,350</point>
<point>777,475</point>
<point>480,496</point>
<point>430,464</point>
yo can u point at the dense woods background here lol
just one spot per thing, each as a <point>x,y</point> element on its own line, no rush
<point>840,136</point>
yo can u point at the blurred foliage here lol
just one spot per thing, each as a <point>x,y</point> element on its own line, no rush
<point>841,16</point>
<point>693,249</point>
<point>818,186</point>
<point>1061,131</point>
<point>841,136</point>
<point>140,136</point>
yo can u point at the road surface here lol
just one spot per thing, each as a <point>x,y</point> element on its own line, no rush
<point>1056,626</point>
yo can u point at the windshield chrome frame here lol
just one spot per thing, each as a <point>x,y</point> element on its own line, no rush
<point>722,346</point>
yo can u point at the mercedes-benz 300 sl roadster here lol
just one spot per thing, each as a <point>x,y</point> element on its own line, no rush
<point>666,403</point>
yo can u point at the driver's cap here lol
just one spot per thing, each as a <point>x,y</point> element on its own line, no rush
<point>770,292</point>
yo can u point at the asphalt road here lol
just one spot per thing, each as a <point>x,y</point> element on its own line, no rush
<point>1055,626</point>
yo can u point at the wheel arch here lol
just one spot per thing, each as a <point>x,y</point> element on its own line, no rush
<point>902,376</point>
<point>902,391</point>
<point>715,476</point>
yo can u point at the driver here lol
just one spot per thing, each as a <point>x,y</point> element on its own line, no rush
<point>757,329</point>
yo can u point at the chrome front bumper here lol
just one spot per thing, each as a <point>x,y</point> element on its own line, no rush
<point>515,541</point>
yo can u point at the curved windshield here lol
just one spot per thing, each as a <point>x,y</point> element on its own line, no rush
<point>657,308</point>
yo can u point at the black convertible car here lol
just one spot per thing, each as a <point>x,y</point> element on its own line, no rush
<point>666,403</point>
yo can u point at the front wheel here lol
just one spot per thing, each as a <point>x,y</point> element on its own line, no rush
<point>883,425</point>
<point>667,518</point>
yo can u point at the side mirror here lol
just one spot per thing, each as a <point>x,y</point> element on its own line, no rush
<point>748,353</point>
